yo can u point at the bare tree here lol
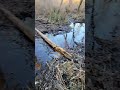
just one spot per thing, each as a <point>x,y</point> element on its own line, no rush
<point>80,4</point>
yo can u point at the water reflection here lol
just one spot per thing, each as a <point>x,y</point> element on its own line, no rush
<point>65,40</point>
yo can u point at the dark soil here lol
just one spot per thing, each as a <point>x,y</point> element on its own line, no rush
<point>46,27</point>
<point>15,48</point>
<point>102,45</point>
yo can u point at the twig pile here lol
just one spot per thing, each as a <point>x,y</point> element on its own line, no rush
<point>62,74</point>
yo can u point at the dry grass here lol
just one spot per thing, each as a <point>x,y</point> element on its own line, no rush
<point>50,4</point>
<point>56,12</point>
<point>65,75</point>
<point>62,74</point>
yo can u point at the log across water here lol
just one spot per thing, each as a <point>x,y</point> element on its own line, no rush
<point>54,46</point>
<point>28,32</point>
<point>67,40</point>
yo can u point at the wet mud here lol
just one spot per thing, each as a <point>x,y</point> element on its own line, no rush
<point>16,48</point>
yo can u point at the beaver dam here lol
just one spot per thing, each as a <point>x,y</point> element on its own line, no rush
<point>55,71</point>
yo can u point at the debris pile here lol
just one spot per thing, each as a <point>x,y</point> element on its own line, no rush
<point>62,74</point>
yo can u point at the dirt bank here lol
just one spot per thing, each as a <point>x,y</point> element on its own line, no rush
<point>16,49</point>
<point>103,52</point>
<point>46,27</point>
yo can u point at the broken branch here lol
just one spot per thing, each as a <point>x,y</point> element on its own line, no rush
<point>17,22</point>
<point>54,46</point>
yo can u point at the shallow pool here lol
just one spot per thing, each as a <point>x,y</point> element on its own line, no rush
<point>66,40</point>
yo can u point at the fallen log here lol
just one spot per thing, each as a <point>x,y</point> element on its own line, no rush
<point>28,32</point>
<point>54,46</point>
<point>17,22</point>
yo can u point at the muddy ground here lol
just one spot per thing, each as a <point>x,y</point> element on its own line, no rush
<point>60,73</point>
<point>102,45</point>
<point>16,48</point>
<point>46,27</point>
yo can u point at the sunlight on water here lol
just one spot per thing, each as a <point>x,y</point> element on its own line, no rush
<point>66,40</point>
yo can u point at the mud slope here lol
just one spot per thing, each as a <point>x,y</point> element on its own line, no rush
<point>15,48</point>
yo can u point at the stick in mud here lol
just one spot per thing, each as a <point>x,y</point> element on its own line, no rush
<point>17,22</point>
<point>54,46</point>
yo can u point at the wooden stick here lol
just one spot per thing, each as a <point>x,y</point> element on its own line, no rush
<point>22,27</point>
<point>28,32</point>
<point>54,46</point>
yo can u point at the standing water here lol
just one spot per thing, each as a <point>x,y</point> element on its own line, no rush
<point>66,40</point>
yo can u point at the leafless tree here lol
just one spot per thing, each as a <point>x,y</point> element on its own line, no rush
<point>80,4</point>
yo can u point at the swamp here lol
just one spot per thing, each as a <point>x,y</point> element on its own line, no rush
<point>63,24</point>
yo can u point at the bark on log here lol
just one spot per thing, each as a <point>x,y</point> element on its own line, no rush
<point>22,27</point>
<point>28,32</point>
<point>54,46</point>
